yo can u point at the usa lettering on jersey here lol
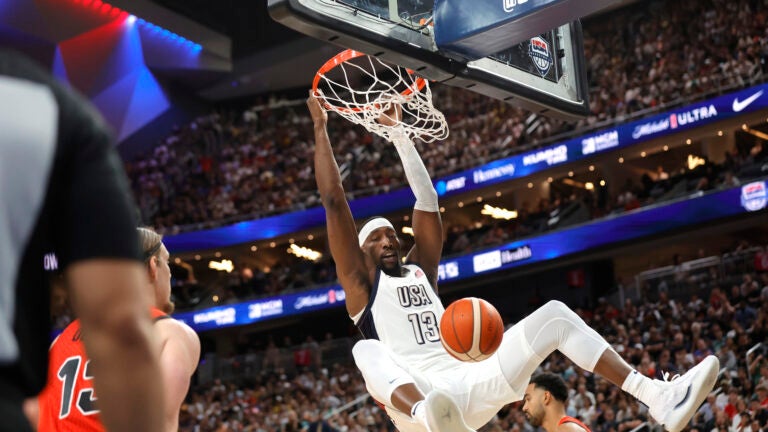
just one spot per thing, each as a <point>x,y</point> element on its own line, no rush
<point>413,296</point>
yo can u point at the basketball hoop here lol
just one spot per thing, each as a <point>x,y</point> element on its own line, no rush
<point>383,85</point>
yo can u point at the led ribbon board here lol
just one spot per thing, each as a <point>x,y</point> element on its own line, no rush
<point>644,222</point>
<point>525,164</point>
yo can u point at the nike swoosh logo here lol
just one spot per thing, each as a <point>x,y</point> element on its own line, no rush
<point>685,398</point>
<point>740,105</point>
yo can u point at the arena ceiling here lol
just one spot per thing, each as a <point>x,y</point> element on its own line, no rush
<point>267,56</point>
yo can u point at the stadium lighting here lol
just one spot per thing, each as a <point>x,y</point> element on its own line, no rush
<point>223,265</point>
<point>117,13</point>
<point>305,252</point>
<point>694,161</point>
<point>498,213</point>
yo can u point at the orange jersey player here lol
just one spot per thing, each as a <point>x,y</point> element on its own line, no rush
<point>68,402</point>
<point>544,405</point>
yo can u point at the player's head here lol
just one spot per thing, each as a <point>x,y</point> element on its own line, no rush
<point>543,391</point>
<point>379,240</point>
<point>156,258</point>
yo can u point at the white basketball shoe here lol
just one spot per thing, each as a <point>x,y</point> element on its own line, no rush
<point>678,398</point>
<point>443,415</point>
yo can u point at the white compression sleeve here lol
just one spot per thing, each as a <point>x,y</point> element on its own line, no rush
<point>416,173</point>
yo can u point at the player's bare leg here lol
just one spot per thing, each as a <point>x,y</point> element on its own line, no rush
<point>406,396</point>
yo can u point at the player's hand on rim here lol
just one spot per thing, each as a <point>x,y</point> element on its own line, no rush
<point>316,109</point>
<point>392,116</point>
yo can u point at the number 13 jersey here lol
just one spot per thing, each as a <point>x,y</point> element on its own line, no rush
<point>404,313</point>
<point>68,403</point>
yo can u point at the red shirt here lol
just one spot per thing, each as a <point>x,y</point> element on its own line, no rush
<point>67,402</point>
<point>569,419</point>
<point>761,261</point>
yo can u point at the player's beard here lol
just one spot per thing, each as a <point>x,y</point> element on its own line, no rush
<point>533,419</point>
<point>169,307</point>
<point>395,270</point>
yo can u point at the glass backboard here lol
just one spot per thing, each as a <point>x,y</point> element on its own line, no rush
<point>544,73</point>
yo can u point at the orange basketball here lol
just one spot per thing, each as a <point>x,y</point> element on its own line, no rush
<point>471,329</point>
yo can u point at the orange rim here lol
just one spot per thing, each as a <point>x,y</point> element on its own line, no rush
<point>344,57</point>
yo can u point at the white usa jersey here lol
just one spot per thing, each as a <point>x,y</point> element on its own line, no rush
<point>404,313</point>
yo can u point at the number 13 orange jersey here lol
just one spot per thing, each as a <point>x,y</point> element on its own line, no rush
<point>68,403</point>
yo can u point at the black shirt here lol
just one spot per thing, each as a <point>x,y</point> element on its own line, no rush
<point>62,191</point>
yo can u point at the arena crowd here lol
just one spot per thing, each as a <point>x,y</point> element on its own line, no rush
<point>235,165</point>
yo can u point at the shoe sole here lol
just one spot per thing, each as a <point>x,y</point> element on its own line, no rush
<point>695,396</point>
<point>443,415</point>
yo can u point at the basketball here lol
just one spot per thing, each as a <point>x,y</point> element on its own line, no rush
<point>471,329</point>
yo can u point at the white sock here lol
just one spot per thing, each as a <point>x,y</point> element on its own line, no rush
<point>419,413</point>
<point>639,386</point>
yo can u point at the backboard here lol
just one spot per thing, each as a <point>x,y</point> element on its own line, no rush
<point>543,71</point>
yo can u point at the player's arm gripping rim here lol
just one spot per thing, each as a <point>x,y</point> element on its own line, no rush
<point>427,224</point>
<point>353,273</point>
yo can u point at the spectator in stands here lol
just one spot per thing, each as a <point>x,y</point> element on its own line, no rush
<point>272,359</point>
<point>582,394</point>
<point>761,397</point>
<point>722,422</point>
<point>729,180</point>
<point>587,413</point>
<point>727,357</point>
<point>707,411</point>
<point>731,409</point>
<point>719,306</point>
<point>661,175</point>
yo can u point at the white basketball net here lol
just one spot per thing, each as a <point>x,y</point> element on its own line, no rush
<point>419,118</point>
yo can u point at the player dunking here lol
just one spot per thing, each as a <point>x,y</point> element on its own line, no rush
<point>397,309</point>
<point>68,401</point>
